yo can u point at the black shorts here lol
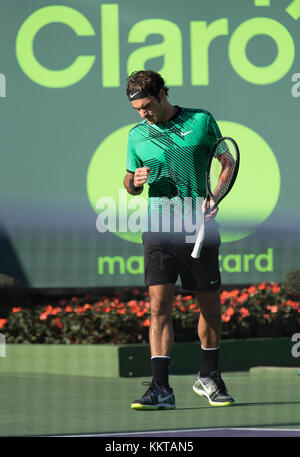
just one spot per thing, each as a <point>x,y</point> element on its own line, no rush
<point>168,255</point>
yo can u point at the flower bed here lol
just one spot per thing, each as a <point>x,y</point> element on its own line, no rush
<point>265,310</point>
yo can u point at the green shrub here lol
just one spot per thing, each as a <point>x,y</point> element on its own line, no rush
<point>291,284</point>
<point>264,310</point>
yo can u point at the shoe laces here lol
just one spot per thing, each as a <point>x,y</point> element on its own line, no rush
<point>152,386</point>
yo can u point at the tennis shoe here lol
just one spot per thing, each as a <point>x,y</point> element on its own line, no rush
<point>155,397</point>
<point>213,388</point>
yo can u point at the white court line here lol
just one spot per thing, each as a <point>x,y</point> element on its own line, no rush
<point>193,430</point>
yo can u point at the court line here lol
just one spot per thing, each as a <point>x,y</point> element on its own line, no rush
<point>162,433</point>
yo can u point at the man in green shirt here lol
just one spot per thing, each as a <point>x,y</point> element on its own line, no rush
<point>169,150</point>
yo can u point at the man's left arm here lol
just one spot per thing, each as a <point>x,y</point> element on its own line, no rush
<point>213,135</point>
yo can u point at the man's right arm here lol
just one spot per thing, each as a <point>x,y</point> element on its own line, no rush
<point>128,183</point>
<point>134,182</point>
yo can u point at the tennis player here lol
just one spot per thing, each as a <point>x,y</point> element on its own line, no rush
<point>169,150</point>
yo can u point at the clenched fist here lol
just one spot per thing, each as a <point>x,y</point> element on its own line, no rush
<point>141,176</point>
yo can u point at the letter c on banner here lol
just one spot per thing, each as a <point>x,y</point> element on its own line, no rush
<point>25,41</point>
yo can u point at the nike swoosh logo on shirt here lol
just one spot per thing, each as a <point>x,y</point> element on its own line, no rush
<point>185,133</point>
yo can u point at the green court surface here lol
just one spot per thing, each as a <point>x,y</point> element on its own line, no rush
<point>49,404</point>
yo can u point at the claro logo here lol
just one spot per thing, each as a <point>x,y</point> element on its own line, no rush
<point>201,35</point>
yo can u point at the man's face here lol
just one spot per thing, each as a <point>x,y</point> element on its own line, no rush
<point>150,108</point>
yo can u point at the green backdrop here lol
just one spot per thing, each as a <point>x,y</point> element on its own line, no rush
<point>65,120</point>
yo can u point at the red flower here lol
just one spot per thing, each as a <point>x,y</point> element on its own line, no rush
<point>2,322</point>
<point>225,318</point>
<point>133,305</point>
<point>146,323</point>
<point>141,313</point>
<point>234,293</point>
<point>275,289</point>
<point>273,309</point>
<point>87,306</point>
<point>80,309</point>
<point>227,315</point>
<point>252,290</point>
<point>229,311</point>
<point>56,310</point>
<point>244,312</point>
<point>68,309</point>
<point>16,310</point>
<point>98,306</point>
<point>187,297</point>
<point>242,298</point>
<point>58,322</point>
<point>224,296</point>
<point>292,304</point>
<point>122,311</point>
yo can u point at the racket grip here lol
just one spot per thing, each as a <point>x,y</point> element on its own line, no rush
<point>207,206</point>
<point>198,243</point>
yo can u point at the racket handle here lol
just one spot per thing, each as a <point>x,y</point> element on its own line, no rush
<point>198,243</point>
<point>207,205</point>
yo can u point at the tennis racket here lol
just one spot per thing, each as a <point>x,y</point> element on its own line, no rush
<point>221,173</point>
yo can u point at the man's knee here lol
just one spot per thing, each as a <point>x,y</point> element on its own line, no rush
<point>209,301</point>
<point>160,307</point>
<point>161,300</point>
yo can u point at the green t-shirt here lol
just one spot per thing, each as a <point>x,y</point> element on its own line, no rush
<point>177,153</point>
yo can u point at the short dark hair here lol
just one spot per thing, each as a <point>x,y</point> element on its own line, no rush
<point>148,81</point>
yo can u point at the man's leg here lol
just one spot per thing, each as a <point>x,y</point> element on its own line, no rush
<point>209,382</point>
<point>209,329</point>
<point>210,323</point>
<point>161,331</point>
<point>161,327</point>
<point>159,395</point>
